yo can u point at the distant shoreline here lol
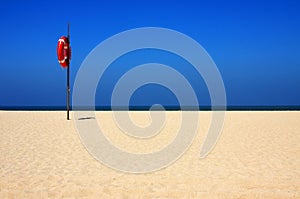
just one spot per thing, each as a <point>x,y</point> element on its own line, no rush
<point>146,108</point>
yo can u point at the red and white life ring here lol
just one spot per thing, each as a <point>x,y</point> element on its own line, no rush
<point>63,51</point>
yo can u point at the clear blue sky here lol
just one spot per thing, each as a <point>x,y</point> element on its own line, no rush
<point>255,44</point>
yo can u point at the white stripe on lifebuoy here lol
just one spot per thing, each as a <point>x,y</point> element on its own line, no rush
<point>61,40</point>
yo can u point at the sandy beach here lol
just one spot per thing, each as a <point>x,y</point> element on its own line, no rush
<point>257,156</point>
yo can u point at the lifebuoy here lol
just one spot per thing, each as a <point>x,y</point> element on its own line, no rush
<point>63,51</point>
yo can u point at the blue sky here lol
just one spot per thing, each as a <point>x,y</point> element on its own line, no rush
<point>255,44</point>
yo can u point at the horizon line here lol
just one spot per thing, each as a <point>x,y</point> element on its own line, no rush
<point>167,108</point>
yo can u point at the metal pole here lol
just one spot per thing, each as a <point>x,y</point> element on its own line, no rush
<point>68,80</point>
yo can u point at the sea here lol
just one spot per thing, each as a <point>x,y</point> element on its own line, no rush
<point>146,108</point>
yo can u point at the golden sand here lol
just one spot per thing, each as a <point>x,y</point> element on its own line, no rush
<point>257,156</point>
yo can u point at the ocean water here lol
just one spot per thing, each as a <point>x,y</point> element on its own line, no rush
<point>146,108</point>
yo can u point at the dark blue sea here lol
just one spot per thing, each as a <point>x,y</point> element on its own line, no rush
<point>146,108</point>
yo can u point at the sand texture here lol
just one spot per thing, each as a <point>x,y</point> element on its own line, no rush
<point>257,156</point>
